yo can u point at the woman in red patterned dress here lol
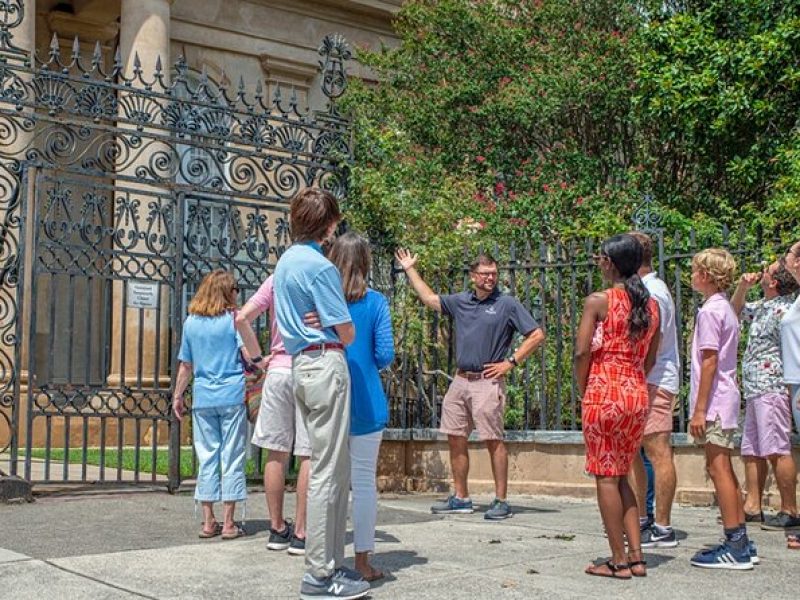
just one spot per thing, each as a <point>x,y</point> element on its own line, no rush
<point>616,344</point>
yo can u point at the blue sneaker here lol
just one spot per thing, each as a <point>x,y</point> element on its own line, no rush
<point>723,556</point>
<point>498,510</point>
<point>452,506</point>
<point>751,547</point>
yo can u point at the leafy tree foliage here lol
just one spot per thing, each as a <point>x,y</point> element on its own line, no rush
<point>512,119</point>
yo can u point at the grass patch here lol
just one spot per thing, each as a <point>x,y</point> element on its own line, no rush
<point>128,458</point>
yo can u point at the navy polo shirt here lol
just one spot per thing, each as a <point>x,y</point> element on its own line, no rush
<point>485,328</point>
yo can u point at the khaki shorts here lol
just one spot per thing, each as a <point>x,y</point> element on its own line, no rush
<point>715,435</point>
<point>280,425</point>
<point>659,418</point>
<point>478,404</point>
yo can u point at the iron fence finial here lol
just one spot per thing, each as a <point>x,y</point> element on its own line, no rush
<point>55,51</point>
<point>335,52</point>
<point>647,216</point>
<point>76,48</point>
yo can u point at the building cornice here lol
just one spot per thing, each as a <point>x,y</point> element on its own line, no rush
<point>375,17</point>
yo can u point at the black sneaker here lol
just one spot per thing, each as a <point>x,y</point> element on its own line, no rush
<point>280,540</point>
<point>780,522</point>
<point>297,546</point>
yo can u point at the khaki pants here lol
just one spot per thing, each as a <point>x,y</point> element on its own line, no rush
<point>322,389</point>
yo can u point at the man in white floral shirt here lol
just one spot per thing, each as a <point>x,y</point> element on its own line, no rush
<point>768,414</point>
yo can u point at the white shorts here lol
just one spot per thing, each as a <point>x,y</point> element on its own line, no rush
<point>279,425</point>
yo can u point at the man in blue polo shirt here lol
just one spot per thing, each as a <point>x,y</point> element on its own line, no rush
<point>485,323</point>
<point>306,281</point>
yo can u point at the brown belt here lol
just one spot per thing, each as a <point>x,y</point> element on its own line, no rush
<point>470,375</point>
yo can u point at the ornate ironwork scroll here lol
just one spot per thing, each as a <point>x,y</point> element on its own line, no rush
<point>12,12</point>
<point>647,217</point>
<point>193,134</point>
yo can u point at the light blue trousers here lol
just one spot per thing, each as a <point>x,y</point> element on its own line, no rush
<point>220,439</point>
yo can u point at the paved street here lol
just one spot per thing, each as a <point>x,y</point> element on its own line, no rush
<point>145,545</point>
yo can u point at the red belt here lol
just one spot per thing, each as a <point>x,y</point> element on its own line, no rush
<point>326,346</point>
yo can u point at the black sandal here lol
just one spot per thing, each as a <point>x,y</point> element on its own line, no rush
<point>637,563</point>
<point>614,570</point>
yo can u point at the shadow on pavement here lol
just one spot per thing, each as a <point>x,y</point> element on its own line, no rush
<point>393,561</point>
<point>680,535</point>
<point>256,526</point>
<point>656,560</point>
<point>519,510</point>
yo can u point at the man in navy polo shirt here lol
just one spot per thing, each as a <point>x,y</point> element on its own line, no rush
<point>306,281</point>
<point>485,323</point>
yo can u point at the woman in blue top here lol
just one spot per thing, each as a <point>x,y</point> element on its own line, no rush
<point>372,350</point>
<point>209,350</point>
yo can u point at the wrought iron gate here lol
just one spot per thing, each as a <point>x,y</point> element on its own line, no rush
<point>118,192</point>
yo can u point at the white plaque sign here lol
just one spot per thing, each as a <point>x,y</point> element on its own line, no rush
<point>142,294</point>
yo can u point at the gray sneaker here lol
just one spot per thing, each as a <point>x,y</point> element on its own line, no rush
<point>780,522</point>
<point>451,506</point>
<point>498,510</point>
<point>336,587</point>
<point>297,546</point>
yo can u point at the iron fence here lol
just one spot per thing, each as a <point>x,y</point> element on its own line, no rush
<point>551,280</point>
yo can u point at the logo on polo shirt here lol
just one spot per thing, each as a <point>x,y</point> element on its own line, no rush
<point>490,311</point>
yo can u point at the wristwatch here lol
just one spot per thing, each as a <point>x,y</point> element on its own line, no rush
<point>512,360</point>
<point>256,359</point>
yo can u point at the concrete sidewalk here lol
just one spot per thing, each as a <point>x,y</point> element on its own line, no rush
<point>145,545</point>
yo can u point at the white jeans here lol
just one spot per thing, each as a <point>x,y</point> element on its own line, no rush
<point>363,465</point>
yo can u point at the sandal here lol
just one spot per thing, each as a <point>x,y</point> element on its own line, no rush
<point>613,570</point>
<point>204,535</point>
<point>793,541</point>
<point>642,571</point>
<point>236,533</point>
<point>638,563</point>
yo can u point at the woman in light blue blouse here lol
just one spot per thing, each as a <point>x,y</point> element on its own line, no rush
<point>372,350</point>
<point>210,347</point>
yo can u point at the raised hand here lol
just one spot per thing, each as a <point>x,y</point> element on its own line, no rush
<point>748,280</point>
<point>405,258</point>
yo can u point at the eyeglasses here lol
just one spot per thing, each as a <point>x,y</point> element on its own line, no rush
<point>485,274</point>
<point>598,257</point>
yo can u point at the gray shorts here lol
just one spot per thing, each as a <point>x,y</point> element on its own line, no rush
<point>279,422</point>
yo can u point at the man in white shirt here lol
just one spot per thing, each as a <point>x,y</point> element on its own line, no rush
<point>663,383</point>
